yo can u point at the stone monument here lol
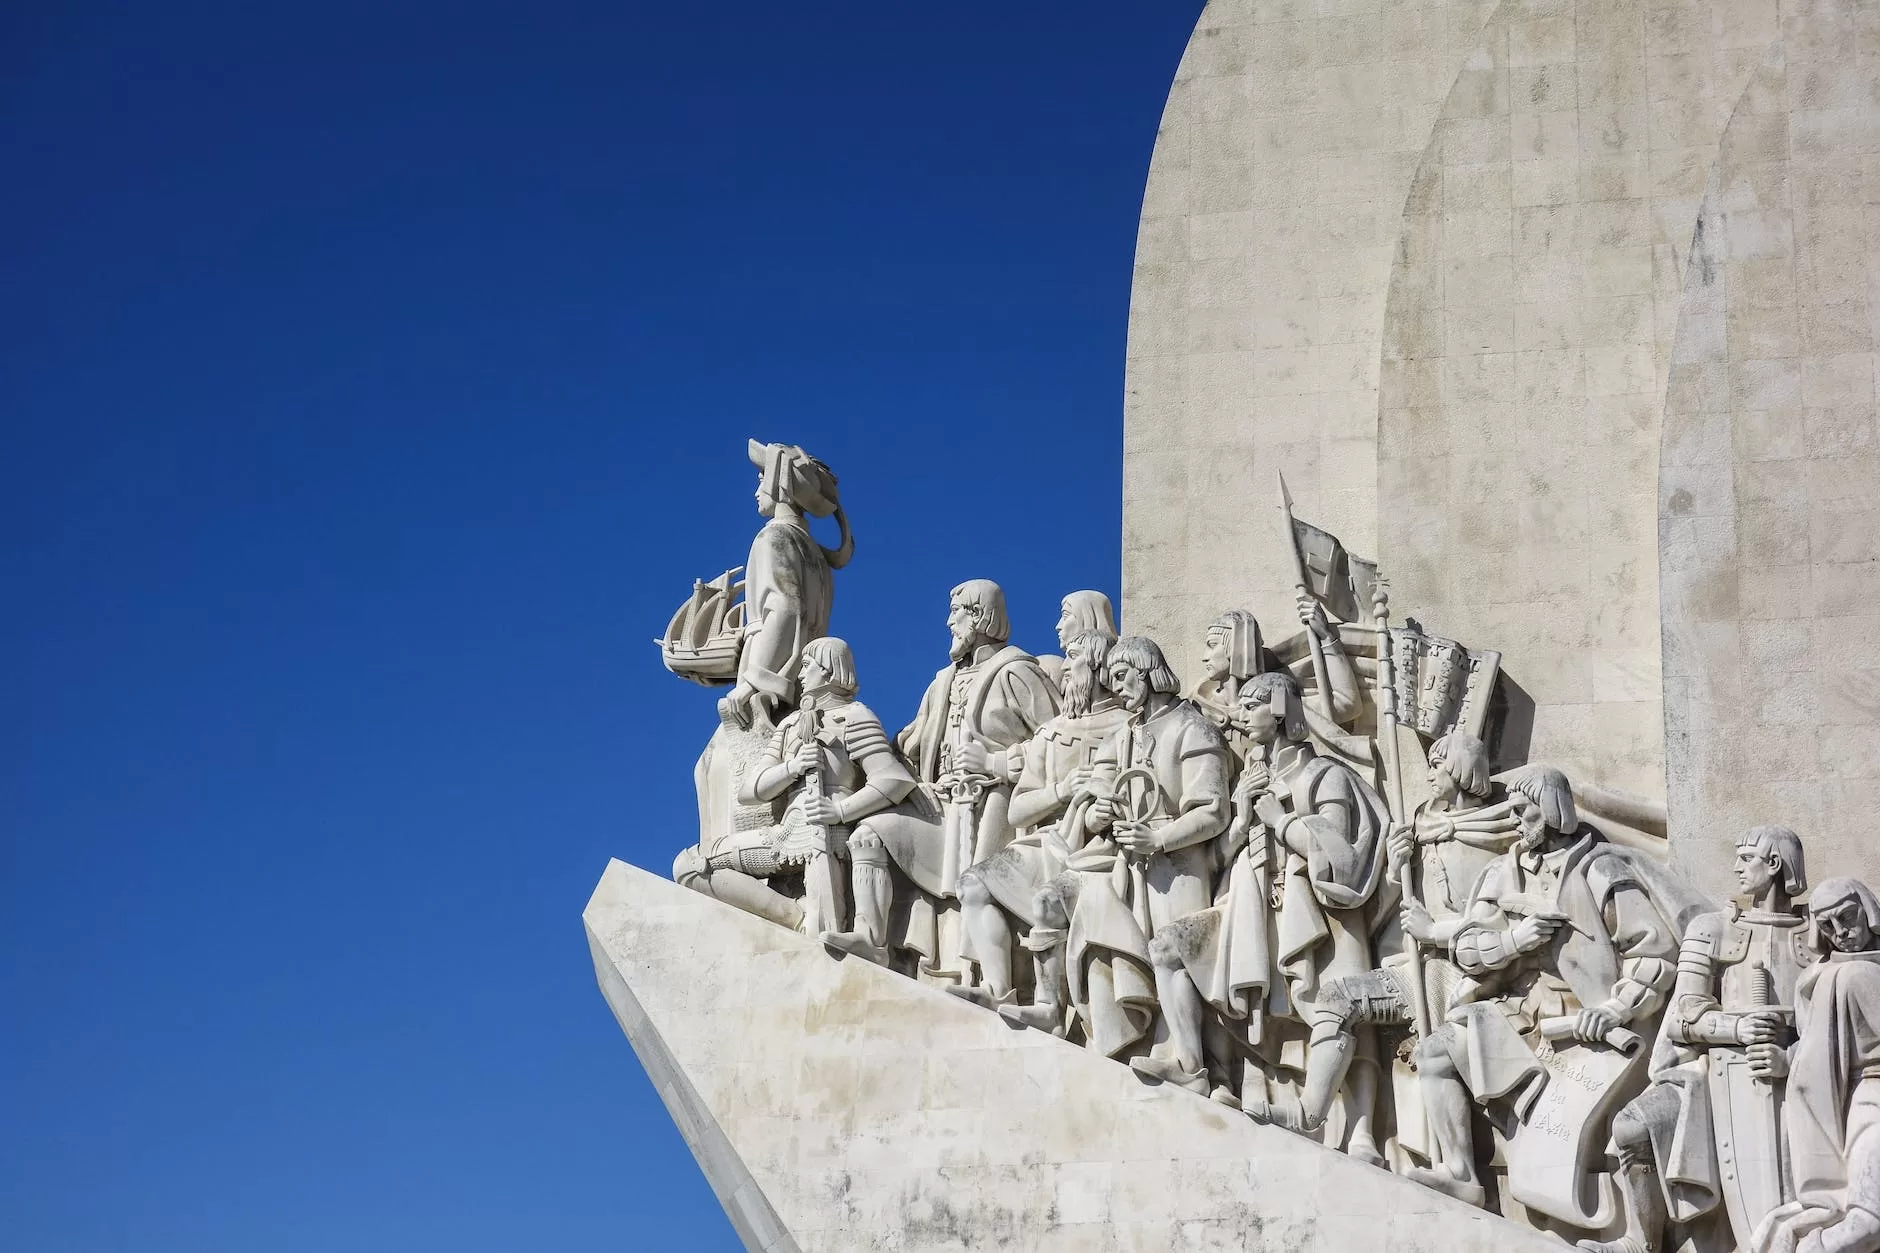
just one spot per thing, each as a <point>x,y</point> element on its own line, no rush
<point>1457,918</point>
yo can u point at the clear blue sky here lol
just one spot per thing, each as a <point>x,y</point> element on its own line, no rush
<point>374,380</point>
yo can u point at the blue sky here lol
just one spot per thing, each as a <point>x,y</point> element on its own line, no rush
<point>374,379</point>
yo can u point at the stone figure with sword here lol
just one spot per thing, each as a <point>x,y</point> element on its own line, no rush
<point>966,746</point>
<point>1708,1131</point>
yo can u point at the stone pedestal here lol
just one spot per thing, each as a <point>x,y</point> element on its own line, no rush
<point>836,1106</point>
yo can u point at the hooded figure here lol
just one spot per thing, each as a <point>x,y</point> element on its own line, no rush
<point>1232,656</point>
<point>1832,1113</point>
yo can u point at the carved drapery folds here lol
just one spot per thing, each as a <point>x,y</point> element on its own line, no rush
<point>1312,888</point>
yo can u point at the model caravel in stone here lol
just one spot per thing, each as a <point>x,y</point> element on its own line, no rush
<point>1309,897</point>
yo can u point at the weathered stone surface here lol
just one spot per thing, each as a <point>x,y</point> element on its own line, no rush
<point>1564,309</point>
<point>837,1106</point>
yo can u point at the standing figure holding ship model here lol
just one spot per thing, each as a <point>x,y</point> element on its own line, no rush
<point>756,645</point>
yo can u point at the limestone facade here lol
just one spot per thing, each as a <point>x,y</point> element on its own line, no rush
<point>1565,310</point>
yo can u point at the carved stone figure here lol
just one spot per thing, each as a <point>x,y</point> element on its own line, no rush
<point>1078,612</point>
<point>787,586</point>
<point>1234,651</point>
<point>1321,830</point>
<point>1832,1105</point>
<point>1158,800</point>
<point>965,745</point>
<point>833,761</point>
<point>1566,949</point>
<point>1709,1126</point>
<point>1057,762</point>
<point>1213,891</point>
<point>756,643</point>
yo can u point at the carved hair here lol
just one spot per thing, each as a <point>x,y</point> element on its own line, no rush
<point>1465,757</point>
<point>986,597</point>
<point>1787,848</point>
<point>833,656</point>
<point>1243,642</point>
<point>1144,654</point>
<point>1095,645</point>
<point>1280,689</point>
<point>1091,611</point>
<point>1832,892</point>
<point>1084,679</point>
<point>1549,789</point>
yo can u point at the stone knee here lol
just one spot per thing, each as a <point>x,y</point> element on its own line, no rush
<point>866,848</point>
<point>1432,1058</point>
<point>1165,952</point>
<point>1337,1011</point>
<point>1632,1125</point>
<point>972,890</point>
<point>688,869</point>
<point>1052,904</point>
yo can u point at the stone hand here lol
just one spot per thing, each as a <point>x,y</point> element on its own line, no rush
<point>1312,614</point>
<point>1533,931</point>
<point>1136,837</point>
<point>1079,779</point>
<point>822,811</point>
<point>1399,844</point>
<point>1768,1061</point>
<point>973,758</point>
<point>1101,814</point>
<point>1256,777</point>
<point>1763,1027</point>
<point>806,758</point>
<point>1590,1025</point>
<point>1417,923</point>
<point>736,705</point>
<point>1271,812</point>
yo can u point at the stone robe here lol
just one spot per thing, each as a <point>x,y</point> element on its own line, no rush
<point>1614,944</point>
<point>1332,846</point>
<point>1123,901</point>
<point>1833,1107</point>
<point>999,702</point>
<point>788,592</point>
<point>1015,873</point>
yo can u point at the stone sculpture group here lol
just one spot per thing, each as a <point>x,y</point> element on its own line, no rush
<point>1305,891</point>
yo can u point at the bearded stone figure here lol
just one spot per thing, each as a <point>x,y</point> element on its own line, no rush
<point>1010,886</point>
<point>1157,800</point>
<point>1078,613</point>
<point>966,745</point>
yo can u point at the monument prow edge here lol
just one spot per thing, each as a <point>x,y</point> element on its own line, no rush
<point>835,1105</point>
